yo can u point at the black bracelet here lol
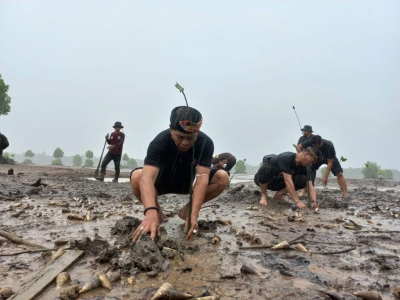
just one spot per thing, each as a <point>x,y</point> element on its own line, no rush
<point>150,207</point>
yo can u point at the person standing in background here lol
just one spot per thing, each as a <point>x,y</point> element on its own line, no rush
<point>116,142</point>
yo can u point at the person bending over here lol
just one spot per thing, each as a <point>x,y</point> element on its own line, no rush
<point>328,157</point>
<point>224,161</point>
<point>172,157</point>
<point>286,173</point>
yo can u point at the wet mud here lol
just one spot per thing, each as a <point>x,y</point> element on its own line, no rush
<point>350,246</point>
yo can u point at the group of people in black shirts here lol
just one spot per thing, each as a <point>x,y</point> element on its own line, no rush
<point>288,171</point>
<point>181,157</point>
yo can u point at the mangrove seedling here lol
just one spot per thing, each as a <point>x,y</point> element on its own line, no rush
<point>376,186</point>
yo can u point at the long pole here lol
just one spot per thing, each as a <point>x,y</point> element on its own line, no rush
<point>96,173</point>
<point>297,117</point>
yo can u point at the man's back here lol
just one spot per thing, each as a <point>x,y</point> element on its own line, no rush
<point>3,141</point>
<point>303,139</point>
<point>284,162</point>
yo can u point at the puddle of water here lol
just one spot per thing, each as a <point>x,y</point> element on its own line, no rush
<point>120,180</point>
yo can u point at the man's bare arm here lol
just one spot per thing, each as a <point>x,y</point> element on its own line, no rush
<point>147,189</point>
<point>151,222</point>
<point>199,193</point>
<point>291,189</point>
<point>312,191</point>
<point>202,179</point>
<point>299,148</point>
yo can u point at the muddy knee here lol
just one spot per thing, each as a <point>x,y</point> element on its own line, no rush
<point>222,178</point>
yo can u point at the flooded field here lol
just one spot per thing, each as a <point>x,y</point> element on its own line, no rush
<point>351,246</point>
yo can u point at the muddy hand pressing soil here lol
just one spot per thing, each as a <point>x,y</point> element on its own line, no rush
<point>350,247</point>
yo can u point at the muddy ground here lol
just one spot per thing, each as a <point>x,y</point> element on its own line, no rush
<point>198,266</point>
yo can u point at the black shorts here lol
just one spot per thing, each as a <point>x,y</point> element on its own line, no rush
<point>277,183</point>
<point>177,188</point>
<point>336,168</point>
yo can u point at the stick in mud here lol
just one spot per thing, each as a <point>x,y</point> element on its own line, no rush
<point>267,247</point>
<point>335,252</point>
<point>15,239</point>
<point>27,251</point>
<point>96,173</point>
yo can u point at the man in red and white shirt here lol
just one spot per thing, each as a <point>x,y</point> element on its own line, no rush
<point>116,142</point>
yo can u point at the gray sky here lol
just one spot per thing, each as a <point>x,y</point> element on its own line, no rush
<point>76,67</point>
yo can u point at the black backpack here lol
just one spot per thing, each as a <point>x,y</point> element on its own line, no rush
<point>3,141</point>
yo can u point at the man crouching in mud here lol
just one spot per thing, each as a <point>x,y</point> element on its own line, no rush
<point>167,169</point>
<point>286,172</point>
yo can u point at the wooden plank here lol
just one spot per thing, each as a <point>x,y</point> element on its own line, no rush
<point>46,276</point>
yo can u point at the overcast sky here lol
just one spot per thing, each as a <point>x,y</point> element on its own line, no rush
<point>76,67</point>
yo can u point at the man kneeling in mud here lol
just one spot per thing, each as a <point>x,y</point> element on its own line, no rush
<point>168,167</point>
<point>286,173</point>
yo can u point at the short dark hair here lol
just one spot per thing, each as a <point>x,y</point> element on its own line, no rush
<point>316,140</point>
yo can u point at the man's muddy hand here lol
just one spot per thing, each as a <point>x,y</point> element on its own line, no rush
<point>150,224</point>
<point>301,205</point>
<point>324,181</point>
<point>193,228</point>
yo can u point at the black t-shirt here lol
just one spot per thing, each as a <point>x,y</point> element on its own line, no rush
<point>284,162</point>
<point>303,139</point>
<point>327,150</point>
<point>174,167</point>
<point>3,141</point>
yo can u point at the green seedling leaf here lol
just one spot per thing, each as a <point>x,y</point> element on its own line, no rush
<point>343,159</point>
<point>294,145</point>
<point>293,107</point>
<point>179,87</point>
<point>366,164</point>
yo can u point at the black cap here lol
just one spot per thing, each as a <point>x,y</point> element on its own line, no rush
<point>118,124</point>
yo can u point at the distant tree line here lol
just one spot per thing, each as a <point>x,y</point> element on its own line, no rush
<point>373,170</point>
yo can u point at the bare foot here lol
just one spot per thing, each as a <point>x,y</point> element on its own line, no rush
<point>278,197</point>
<point>314,205</point>
<point>263,201</point>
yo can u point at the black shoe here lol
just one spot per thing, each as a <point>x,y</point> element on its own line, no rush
<point>100,178</point>
<point>115,180</point>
